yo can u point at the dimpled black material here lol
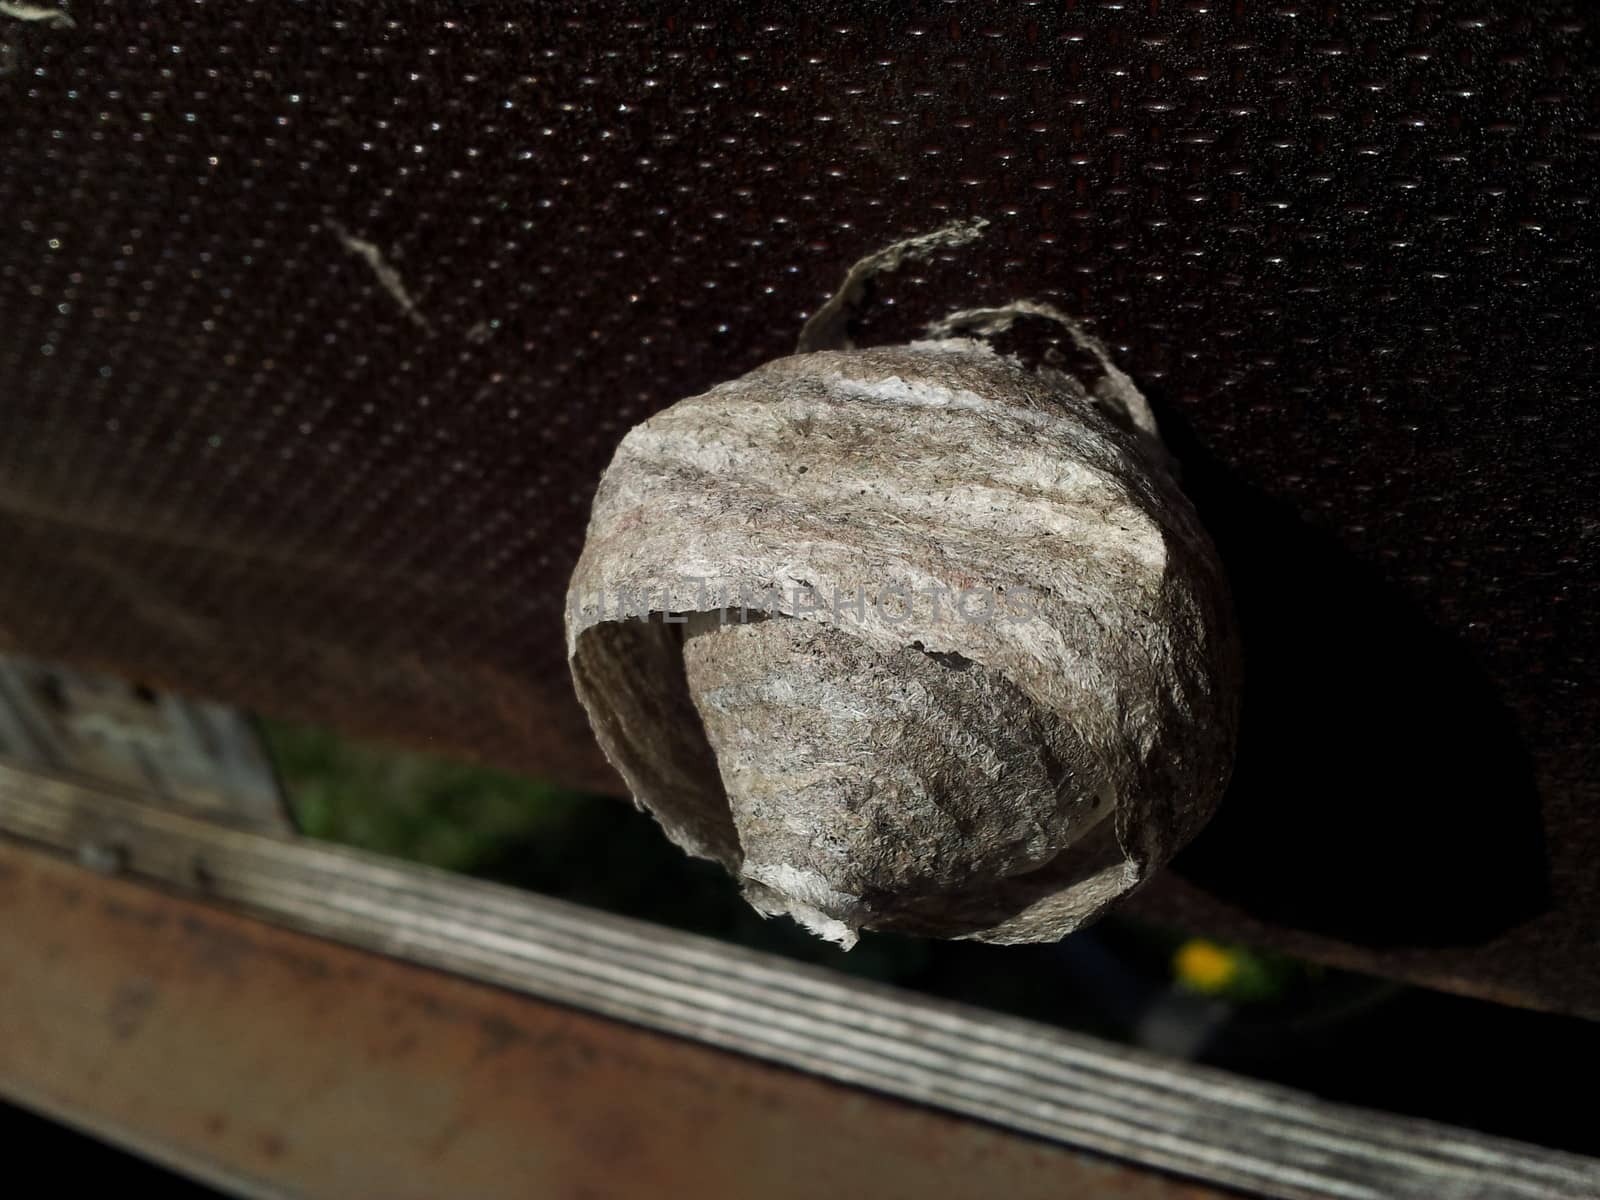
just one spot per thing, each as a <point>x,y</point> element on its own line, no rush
<point>319,322</point>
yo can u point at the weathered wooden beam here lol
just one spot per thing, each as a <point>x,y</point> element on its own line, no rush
<point>274,1064</point>
<point>1066,1089</point>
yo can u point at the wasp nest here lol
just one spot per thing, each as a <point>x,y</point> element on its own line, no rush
<point>911,638</point>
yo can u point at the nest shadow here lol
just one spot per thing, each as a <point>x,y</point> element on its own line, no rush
<point>1380,794</point>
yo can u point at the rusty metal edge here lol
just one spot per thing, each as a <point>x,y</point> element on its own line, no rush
<point>1020,1075</point>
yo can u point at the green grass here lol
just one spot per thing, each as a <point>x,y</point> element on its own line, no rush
<point>414,806</point>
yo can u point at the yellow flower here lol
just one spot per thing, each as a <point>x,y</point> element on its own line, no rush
<point>1205,966</point>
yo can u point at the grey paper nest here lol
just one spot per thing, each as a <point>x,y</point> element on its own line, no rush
<point>909,638</point>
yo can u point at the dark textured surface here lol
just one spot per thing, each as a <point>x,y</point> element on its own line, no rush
<point>1349,250</point>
